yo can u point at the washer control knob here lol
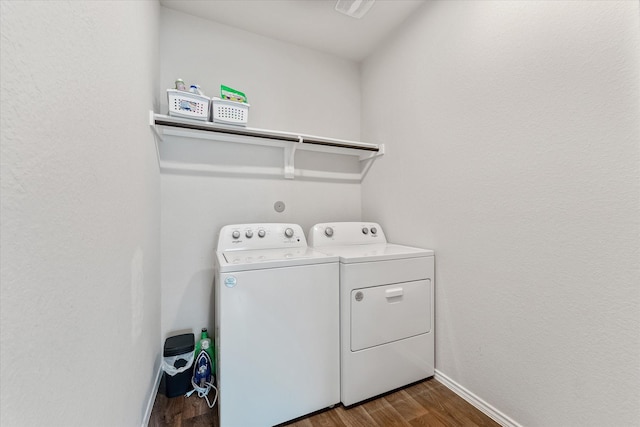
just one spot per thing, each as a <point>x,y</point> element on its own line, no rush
<point>328,231</point>
<point>249,234</point>
<point>365,230</point>
<point>235,234</point>
<point>261,233</point>
<point>374,230</point>
<point>288,232</point>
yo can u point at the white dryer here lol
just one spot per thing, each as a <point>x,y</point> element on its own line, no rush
<point>386,309</point>
<point>277,325</point>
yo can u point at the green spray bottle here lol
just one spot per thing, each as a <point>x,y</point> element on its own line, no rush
<point>206,344</point>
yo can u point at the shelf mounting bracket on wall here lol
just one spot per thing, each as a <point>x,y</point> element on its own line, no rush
<point>289,159</point>
<point>368,160</point>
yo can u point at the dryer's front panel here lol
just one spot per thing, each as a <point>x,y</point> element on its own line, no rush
<point>384,314</point>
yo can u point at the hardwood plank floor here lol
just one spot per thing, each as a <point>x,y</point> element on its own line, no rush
<point>424,404</point>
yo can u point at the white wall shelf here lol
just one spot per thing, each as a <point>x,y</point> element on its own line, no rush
<point>164,125</point>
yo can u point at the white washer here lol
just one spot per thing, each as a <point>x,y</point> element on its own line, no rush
<point>386,309</point>
<point>277,325</point>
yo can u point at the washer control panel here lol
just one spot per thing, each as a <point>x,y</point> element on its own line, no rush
<point>260,236</point>
<point>345,233</point>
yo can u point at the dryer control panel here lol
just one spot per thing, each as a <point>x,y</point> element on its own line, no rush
<point>346,233</point>
<point>261,236</point>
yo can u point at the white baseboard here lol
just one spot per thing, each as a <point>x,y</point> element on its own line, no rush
<point>152,397</point>
<point>480,404</point>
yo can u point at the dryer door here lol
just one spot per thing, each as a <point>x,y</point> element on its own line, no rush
<point>383,314</point>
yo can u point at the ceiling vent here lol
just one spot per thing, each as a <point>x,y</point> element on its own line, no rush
<point>354,8</point>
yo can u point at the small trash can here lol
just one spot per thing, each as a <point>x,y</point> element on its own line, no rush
<point>177,364</point>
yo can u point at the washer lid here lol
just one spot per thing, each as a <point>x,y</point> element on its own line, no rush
<point>270,258</point>
<point>374,252</point>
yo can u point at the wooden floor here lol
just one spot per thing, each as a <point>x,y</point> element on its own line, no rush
<point>427,403</point>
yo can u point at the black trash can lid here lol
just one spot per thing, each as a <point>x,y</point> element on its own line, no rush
<point>179,344</point>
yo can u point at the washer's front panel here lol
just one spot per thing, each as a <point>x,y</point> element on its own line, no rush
<point>383,314</point>
<point>277,343</point>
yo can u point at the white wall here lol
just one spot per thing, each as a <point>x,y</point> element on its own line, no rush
<point>79,220</point>
<point>513,151</point>
<point>289,88</point>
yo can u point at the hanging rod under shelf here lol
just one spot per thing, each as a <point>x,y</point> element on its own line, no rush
<point>163,120</point>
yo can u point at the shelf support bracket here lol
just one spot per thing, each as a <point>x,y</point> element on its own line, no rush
<point>372,156</point>
<point>156,134</point>
<point>152,123</point>
<point>289,159</point>
<point>368,161</point>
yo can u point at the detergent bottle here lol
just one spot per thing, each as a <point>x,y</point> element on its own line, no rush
<point>203,368</point>
<point>206,344</point>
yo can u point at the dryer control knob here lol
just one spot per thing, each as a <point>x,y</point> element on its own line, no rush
<point>328,231</point>
<point>235,234</point>
<point>365,230</point>
<point>249,234</point>
<point>374,230</point>
<point>261,233</point>
<point>288,232</point>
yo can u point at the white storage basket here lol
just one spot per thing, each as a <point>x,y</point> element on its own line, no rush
<point>229,112</point>
<point>188,105</point>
